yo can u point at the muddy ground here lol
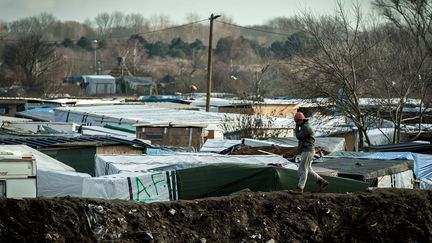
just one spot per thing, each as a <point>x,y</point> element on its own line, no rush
<point>377,216</point>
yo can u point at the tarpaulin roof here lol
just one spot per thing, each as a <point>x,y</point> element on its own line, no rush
<point>146,114</point>
<point>422,162</point>
<point>365,169</point>
<point>403,147</point>
<point>330,143</point>
<point>113,164</point>
<point>217,145</point>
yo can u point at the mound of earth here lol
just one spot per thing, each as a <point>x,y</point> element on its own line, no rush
<point>378,216</point>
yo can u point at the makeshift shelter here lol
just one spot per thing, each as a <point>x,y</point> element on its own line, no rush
<point>53,179</point>
<point>78,151</point>
<point>378,173</point>
<point>204,181</point>
<point>224,179</point>
<point>142,187</point>
<point>151,115</point>
<point>422,162</point>
<point>114,164</point>
<point>99,84</point>
<point>60,183</point>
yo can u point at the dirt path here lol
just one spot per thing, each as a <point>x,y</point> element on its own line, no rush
<point>378,216</point>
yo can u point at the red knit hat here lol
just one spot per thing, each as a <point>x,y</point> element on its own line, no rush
<point>299,116</point>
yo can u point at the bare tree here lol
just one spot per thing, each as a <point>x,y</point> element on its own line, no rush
<point>136,23</point>
<point>31,59</point>
<point>409,73</point>
<point>104,24</point>
<point>33,25</point>
<point>338,70</point>
<point>402,73</point>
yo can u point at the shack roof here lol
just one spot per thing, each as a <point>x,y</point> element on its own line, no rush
<point>112,164</point>
<point>365,169</point>
<point>88,78</point>
<point>425,148</point>
<point>48,141</point>
<point>131,114</point>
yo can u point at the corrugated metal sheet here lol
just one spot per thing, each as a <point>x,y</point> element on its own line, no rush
<point>40,142</point>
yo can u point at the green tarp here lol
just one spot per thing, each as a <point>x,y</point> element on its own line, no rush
<point>121,127</point>
<point>224,179</point>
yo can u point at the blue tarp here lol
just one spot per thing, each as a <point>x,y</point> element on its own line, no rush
<point>41,109</point>
<point>171,99</point>
<point>153,151</point>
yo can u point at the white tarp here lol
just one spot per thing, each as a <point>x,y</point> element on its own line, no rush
<point>142,187</point>
<point>60,183</point>
<point>263,143</point>
<point>399,180</point>
<point>331,144</point>
<point>35,127</point>
<point>217,145</point>
<point>113,164</point>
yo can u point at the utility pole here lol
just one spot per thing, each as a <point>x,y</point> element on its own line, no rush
<point>95,69</point>
<point>209,63</point>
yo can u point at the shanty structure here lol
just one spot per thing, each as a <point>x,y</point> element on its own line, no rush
<point>99,85</point>
<point>114,164</point>
<point>183,135</point>
<point>378,173</point>
<point>77,151</point>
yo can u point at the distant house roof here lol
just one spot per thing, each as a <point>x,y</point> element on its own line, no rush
<point>87,78</point>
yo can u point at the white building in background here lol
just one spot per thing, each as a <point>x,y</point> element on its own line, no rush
<point>99,84</point>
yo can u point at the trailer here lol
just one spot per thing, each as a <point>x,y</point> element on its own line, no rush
<point>17,175</point>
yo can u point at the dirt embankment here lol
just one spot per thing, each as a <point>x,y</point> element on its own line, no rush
<point>378,216</point>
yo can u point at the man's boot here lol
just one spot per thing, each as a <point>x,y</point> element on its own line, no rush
<point>322,184</point>
<point>297,190</point>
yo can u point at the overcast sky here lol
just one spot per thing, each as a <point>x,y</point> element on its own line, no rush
<point>244,12</point>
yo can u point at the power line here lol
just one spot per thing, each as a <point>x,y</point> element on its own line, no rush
<point>174,27</point>
<point>250,28</point>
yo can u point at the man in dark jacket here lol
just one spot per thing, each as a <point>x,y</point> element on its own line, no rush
<point>306,145</point>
